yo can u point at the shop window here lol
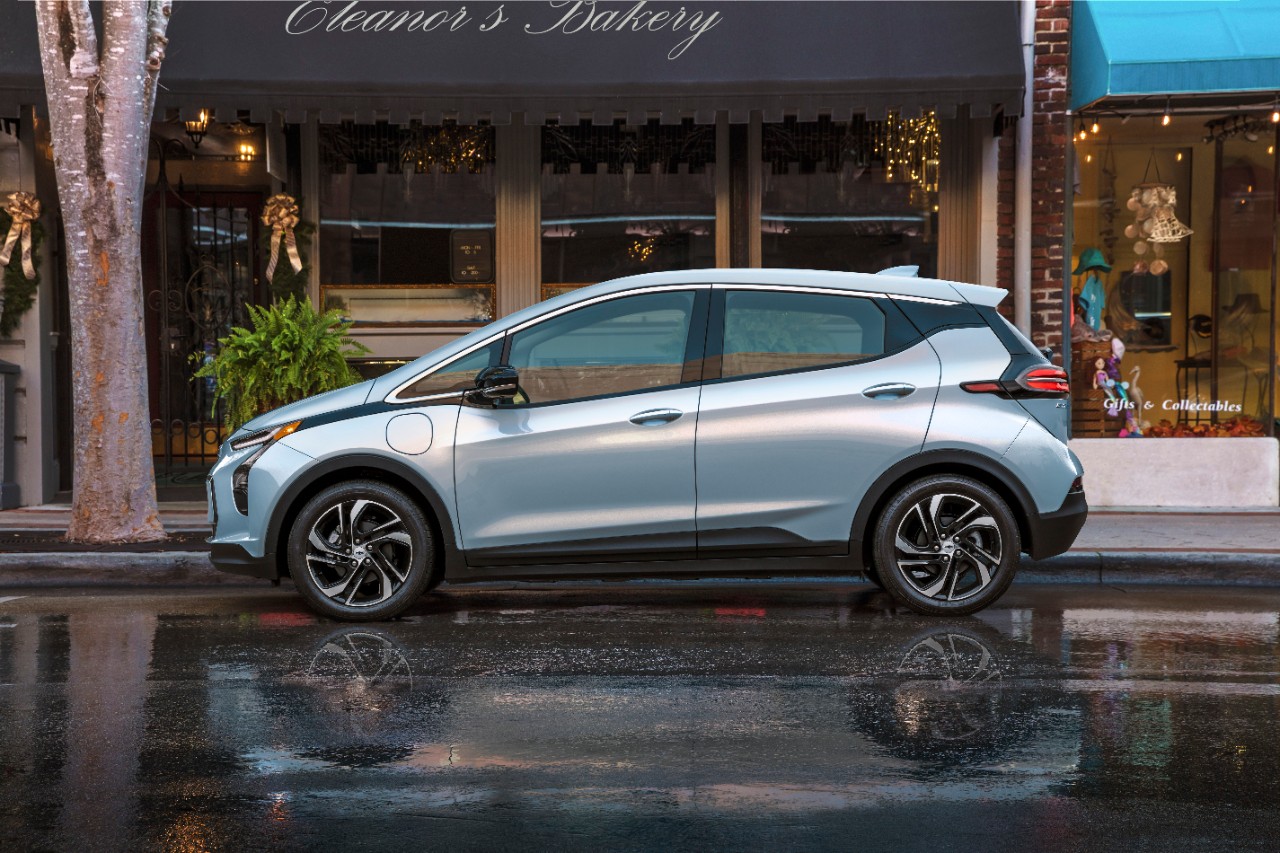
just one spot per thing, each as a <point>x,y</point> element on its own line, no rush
<point>625,199</point>
<point>1171,322</point>
<point>636,343</point>
<point>859,195</point>
<point>767,332</point>
<point>406,223</point>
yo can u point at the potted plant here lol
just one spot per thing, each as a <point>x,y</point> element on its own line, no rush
<point>290,353</point>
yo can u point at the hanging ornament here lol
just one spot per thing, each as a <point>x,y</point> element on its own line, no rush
<point>1154,220</point>
<point>24,208</point>
<point>281,214</point>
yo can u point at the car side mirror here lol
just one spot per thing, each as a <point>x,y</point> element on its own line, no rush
<point>497,384</point>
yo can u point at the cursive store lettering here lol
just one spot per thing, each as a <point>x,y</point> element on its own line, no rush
<point>583,15</point>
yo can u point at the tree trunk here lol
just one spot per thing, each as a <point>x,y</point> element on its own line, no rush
<point>100,106</point>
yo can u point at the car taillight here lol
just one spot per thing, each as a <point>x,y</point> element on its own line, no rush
<point>1045,380</point>
<point>1041,381</point>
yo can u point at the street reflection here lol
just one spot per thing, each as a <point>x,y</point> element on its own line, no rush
<point>564,711</point>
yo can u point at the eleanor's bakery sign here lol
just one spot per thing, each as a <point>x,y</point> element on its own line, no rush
<point>685,24</point>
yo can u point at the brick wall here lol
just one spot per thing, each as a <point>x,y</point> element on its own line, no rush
<point>1049,179</point>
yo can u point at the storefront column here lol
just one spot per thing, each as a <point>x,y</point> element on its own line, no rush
<point>33,343</point>
<point>518,238</point>
<point>745,185</point>
<point>310,168</point>
<point>724,210</point>
<point>959,200</point>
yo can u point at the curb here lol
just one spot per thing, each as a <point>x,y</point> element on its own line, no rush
<point>1187,568</point>
<point>115,568</point>
<point>193,568</point>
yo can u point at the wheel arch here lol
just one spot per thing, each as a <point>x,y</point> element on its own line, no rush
<point>966,463</point>
<point>362,466</point>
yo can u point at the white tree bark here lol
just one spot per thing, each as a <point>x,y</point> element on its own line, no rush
<point>100,103</point>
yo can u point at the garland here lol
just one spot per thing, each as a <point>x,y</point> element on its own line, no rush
<point>19,292</point>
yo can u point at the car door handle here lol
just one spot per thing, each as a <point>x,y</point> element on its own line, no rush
<point>889,389</point>
<point>653,417</point>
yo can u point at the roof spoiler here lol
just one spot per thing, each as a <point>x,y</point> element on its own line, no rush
<point>906,272</point>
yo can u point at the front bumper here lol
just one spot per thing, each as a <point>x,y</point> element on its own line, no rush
<point>1052,533</point>
<point>233,558</point>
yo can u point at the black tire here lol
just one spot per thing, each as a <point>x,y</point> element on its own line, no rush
<point>364,571</point>
<point>872,574</point>
<point>960,546</point>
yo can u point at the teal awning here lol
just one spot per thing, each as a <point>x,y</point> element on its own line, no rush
<point>1138,48</point>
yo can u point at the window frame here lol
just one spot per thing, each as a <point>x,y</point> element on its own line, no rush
<point>694,345</point>
<point>714,360</point>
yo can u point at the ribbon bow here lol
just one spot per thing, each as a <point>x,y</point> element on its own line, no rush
<point>281,215</point>
<point>25,209</point>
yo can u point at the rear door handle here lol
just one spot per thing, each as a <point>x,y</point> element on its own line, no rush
<point>653,417</point>
<point>889,389</point>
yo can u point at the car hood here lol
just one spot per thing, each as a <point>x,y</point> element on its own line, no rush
<point>352,395</point>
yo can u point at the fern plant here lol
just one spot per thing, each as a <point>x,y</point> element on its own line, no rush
<point>290,353</point>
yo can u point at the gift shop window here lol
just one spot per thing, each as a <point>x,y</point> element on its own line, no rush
<point>855,195</point>
<point>1173,277</point>
<point>407,223</point>
<point>625,199</point>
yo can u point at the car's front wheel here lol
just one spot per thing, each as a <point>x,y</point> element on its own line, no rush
<point>361,551</point>
<point>947,544</point>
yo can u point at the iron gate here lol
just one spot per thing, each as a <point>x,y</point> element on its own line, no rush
<point>203,270</point>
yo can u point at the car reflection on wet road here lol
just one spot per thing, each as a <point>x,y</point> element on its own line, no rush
<point>648,716</point>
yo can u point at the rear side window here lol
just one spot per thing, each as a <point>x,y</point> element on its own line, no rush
<point>460,375</point>
<point>772,331</point>
<point>928,317</point>
<point>1011,335</point>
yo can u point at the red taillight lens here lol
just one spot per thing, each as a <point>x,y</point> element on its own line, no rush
<point>983,387</point>
<point>1045,380</point>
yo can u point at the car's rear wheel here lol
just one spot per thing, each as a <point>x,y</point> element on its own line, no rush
<point>947,544</point>
<point>361,551</point>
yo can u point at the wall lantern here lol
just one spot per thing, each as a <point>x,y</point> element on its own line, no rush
<point>197,128</point>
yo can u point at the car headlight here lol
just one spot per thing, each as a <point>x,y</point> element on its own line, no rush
<point>262,439</point>
<point>263,436</point>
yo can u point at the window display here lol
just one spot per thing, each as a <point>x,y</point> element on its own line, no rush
<point>625,199</point>
<point>859,196</point>
<point>1172,330</point>
<point>406,223</point>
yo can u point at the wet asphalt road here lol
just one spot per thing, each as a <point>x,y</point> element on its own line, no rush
<point>653,717</point>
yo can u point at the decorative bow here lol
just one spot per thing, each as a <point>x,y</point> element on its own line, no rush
<point>25,209</point>
<point>281,214</point>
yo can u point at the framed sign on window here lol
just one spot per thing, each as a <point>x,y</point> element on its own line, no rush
<point>412,304</point>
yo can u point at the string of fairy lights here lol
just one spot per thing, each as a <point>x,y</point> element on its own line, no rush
<point>1249,125</point>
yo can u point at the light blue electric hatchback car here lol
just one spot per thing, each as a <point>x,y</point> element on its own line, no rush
<point>710,422</point>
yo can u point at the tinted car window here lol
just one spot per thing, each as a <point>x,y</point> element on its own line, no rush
<point>768,332</point>
<point>634,343</point>
<point>457,376</point>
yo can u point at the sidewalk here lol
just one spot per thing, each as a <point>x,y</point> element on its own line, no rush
<point>1121,545</point>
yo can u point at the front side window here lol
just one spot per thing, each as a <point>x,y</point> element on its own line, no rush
<point>459,375</point>
<point>770,331</point>
<point>635,343</point>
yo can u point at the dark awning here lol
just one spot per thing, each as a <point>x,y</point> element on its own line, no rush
<point>802,58</point>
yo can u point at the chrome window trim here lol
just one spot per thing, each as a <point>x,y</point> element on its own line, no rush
<point>835,291</point>
<point>394,396</point>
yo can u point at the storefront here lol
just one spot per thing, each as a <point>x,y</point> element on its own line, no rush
<point>449,175</point>
<point>1174,262</point>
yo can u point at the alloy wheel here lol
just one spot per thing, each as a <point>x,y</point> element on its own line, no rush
<point>359,553</point>
<point>948,547</point>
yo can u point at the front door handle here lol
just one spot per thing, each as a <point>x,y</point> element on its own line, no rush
<point>653,417</point>
<point>889,389</point>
